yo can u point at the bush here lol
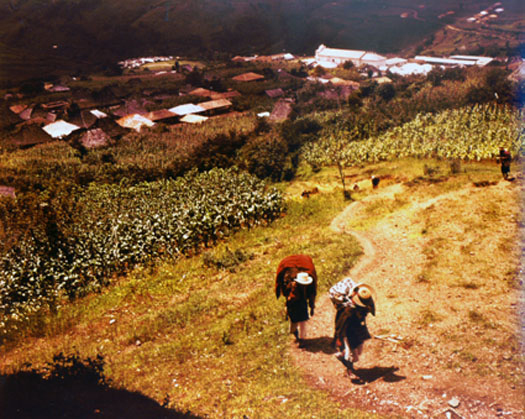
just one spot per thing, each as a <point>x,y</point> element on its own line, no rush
<point>266,157</point>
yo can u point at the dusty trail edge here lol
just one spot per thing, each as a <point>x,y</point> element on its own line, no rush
<point>402,382</point>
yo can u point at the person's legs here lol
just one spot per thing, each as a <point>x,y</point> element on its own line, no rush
<point>302,330</point>
<point>337,315</point>
<point>356,353</point>
<point>293,329</point>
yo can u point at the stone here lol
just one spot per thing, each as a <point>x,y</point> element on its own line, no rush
<point>453,402</point>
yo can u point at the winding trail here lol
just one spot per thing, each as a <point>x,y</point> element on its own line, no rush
<point>395,379</point>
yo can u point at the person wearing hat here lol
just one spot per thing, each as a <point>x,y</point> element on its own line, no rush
<point>505,158</point>
<point>353,302</point>
<point>296,280</point>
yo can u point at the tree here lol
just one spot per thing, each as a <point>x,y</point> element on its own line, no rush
<point>386,91</point>
<point>347,65</point>
<point>344,132</point>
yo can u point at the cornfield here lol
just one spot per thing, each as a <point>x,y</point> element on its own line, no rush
<point>469,133</point>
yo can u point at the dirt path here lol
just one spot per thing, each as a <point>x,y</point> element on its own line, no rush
<point>397,379</point>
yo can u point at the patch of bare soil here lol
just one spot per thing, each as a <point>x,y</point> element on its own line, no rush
<point>395,376</point>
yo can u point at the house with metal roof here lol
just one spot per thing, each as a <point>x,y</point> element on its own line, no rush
<point>163,115</point>
<point>28,135</point>
<point>337,56</point>
<point>200,91</point>
<point>225,95</point>
<point>455,60</point>
<point>248,77</point>
<point>473,60</point>
<point>273,93</point>
<point>60,129</point>
<point>186,109</point>
<point>135,122</point>
<point>193,119</point>
<point>94,138</point>
<point>281,110</point>
<point>213,106</point>
<point>98,114</point>
<point>7,191</point>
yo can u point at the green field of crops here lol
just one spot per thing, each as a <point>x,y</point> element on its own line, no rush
<point>469,133</point>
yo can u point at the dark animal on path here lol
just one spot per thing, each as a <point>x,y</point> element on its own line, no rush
<point>307,193</point>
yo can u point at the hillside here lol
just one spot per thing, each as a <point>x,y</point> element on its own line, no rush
<point>39,38</point>
<point>211,340</point>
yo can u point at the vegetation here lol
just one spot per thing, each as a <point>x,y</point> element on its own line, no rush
<point>39,38</point>
<point>74,241</point>
<point>176,332</point>
<point>172,235</point>
<point>471,133</point>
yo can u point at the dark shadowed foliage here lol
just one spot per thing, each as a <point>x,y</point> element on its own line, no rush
<point>71,387</point>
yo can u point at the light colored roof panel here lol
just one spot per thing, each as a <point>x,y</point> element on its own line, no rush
<point>201,92</point>
<point>135,121</point>
<point>17,108</point>
<point>186,109</point>
<point>437,60</point>
<point>225,95</point>
<point>343,53</point>
<point>60,129</point>
<point>248,77</point>
<point>474,59</point>
<point>193,119</point>
<point>95,138</point>
<point>98,114</point>
<point>395,61</point>
<point>215,104</point>
<point>411,68</point>
<point>371,56</point>
<point>327,64</point>
<point>159,114</point>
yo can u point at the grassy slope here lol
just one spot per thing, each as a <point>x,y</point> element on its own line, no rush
<point>216,342</point>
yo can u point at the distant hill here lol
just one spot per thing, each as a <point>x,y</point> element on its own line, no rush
<point>43,37</point>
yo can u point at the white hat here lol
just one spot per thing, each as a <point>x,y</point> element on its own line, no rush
<point>303,278</point>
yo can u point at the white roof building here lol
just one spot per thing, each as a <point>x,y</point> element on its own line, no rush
<point>395,61</point>
<point>473,60</point>
<point>186,109</point>
<point>340,56</point>
<point>98,114</point>
<point>411,68</point>
<point>374,59</point>
<point>60,129</point>
<point>135,121</point>
<point>455,60</point>
<point>193,119</point>
<point>327,64</point>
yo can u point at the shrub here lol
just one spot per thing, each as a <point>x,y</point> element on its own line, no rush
<point>265,156</point>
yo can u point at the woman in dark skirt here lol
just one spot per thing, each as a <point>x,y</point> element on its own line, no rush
<point>296,280</point>
<point>350,329</point>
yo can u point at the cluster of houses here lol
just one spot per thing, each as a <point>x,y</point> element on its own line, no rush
<point>332,57</point>
<point>131,63</point>
<point>28,125</point>
<point>107,115</point>
<point>96,119</point>
<point>489,13</point>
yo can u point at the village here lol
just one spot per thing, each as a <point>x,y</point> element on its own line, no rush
<point>97,119</point>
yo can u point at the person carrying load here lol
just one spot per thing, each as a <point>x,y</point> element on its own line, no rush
<point>296,280</point>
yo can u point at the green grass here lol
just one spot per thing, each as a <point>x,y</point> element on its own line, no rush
<point>221,335</point>
<point>215,341</point>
